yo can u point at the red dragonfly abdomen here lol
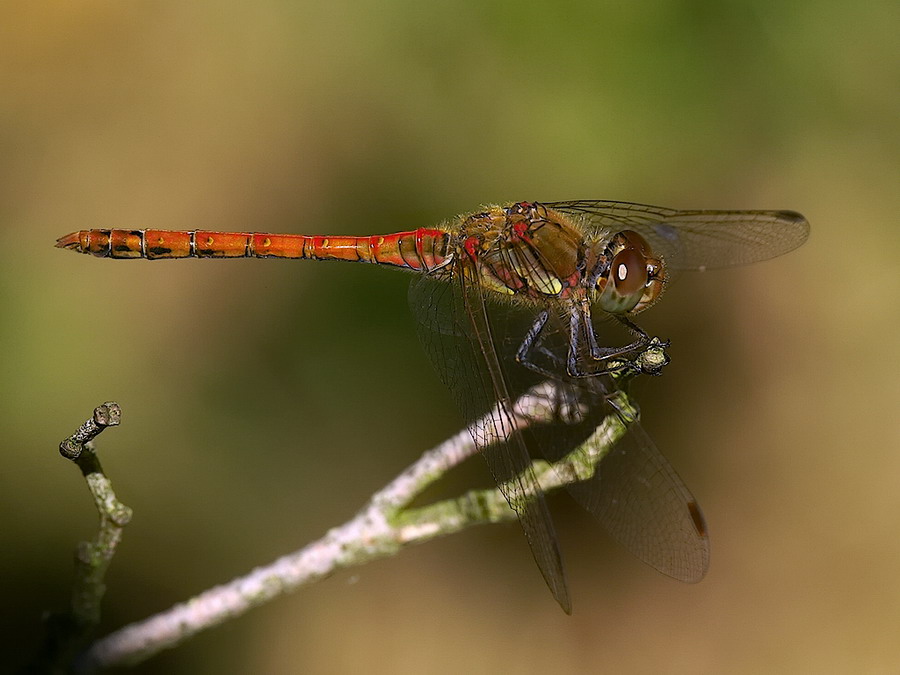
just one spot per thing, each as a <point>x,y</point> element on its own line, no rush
<point>421,249</point>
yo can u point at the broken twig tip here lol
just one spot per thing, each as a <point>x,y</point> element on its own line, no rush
<point>107,415</point>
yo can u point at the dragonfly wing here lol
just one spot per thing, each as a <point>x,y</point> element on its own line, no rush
<point>694,240</point>
<point>640,500</point>
<point>456,331</point>
<point>633,491</point>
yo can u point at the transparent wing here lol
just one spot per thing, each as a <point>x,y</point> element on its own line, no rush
<point>456,331</point>
<point>643,503</point>
<point>634,492</point>
<point>694,240</point>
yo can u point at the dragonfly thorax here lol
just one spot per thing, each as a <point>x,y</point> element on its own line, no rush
<point>524,250</point>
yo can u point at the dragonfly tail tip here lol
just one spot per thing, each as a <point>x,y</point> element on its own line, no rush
<point>70,241</point>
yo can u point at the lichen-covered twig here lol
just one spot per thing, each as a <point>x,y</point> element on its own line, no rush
<point>68,632</point>
<point>93,558</point>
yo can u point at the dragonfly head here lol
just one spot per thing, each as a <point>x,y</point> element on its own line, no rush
<point>630,277</point>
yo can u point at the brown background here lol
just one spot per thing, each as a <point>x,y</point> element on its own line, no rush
<point>264,401</point>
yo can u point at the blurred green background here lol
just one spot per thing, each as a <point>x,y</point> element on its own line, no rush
<point>264,401</point>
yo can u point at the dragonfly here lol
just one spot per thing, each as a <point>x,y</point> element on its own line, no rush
<point>517,294</point>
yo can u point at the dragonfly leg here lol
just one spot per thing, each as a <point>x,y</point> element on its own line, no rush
<point>587,358</point>
<point>600,353</point>
<point>532,344</point>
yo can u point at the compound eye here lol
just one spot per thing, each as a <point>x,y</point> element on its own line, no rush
<point>629,271</point>
<point>656,279</point>
<point>626,282</point>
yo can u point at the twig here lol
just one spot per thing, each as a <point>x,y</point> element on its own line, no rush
<point>93,558</point>
<point>382,528</point>
<point>68,632</point>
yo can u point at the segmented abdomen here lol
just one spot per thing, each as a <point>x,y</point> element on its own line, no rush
<point>422,249</point>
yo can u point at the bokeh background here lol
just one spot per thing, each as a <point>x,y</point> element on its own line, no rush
<point>264,401</point>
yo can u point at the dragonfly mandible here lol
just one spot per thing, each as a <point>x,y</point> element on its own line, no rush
<point>506,297</point>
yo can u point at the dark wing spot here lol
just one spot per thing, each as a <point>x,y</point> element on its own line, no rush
<point>697,518</point>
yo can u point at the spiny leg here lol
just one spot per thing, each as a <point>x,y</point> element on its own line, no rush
<point>582,348</point>
<point>586,358</point>
<point>533,343</point>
